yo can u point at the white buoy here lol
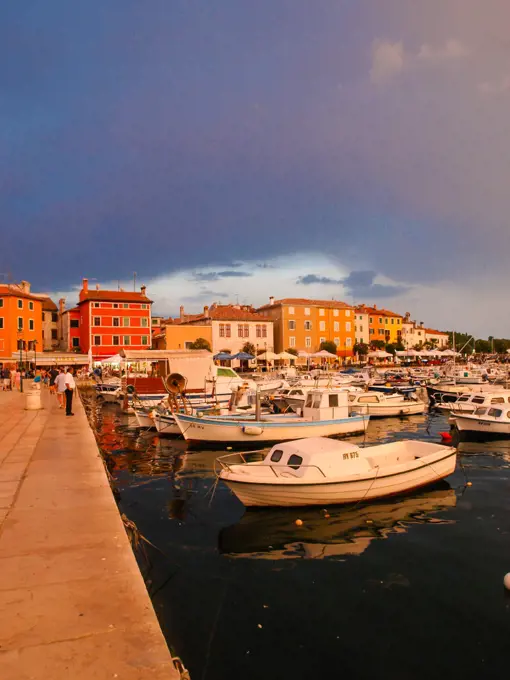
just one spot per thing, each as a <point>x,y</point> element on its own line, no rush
<point>506,581</point>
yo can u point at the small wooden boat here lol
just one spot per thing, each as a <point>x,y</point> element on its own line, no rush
<point>321,471</point>
<point>325,414</point>
<point>378,405</point>
<point>492,421</point>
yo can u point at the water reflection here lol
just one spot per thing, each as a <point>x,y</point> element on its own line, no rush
<point>273,534</point>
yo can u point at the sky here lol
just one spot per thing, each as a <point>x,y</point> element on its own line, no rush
<point>356,150</point>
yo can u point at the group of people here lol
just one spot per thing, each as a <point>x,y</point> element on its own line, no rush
<point>11,378</point>
<point>60,381</point>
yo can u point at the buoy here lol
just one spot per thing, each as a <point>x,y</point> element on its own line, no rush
<point>446,436</point>
<point>469,483</point>
<point>506,581</point>
<point>299,522</point>
<point>327,515</point>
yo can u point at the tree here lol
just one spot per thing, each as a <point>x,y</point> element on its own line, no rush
<point>377,344</point>
<point>200,343</point>
<point>292,350</point>
<point>249,348</point>
<point>361,348</point>
<point>482,346</point>
<point>501,345</point>
<point>329,346</point>
<point>399,347</point>
<point>390,348</point>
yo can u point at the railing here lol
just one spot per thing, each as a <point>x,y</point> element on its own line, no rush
<point>241,456</point>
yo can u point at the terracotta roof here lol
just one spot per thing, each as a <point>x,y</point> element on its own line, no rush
<point>73,309</point>
<point>13,290</point>
<point>433,332</point>
<point>113,296</point>
<point>330,304</point>
<point>49,305</point>
<point>363,309</point>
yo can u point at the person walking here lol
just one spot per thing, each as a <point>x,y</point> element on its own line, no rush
<point>6,375</point>
<point>53,375</point>
<point>70,387</point>
<point>60,386</point>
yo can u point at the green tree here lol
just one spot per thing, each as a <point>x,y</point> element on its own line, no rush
<point>377,344</point>
<point>390,348</point>
<point>329,346</point>
<point>200,343</point>
<point>482,346</point>
<point>399,347</point>
<point>361,348</point>
<point>501,345</point>
<point>292,350</point>
<point>249,348</point>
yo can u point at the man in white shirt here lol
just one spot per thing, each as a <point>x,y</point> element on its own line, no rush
<point>70,385</point>
<point>60,386</point>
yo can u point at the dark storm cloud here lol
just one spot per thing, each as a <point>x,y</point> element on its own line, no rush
<point>204,294</point>
<point>216,276</point>
<point>156,139</point>
<point>309,279</point>
<point>360,284</point>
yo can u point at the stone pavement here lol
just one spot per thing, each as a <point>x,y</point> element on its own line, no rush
<point>73,603</point>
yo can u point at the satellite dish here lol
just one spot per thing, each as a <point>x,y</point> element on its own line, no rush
<point>175,383</point>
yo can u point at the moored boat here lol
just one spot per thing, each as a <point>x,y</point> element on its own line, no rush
<point>320,471</point>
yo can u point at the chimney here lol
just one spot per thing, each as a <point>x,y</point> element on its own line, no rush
<point>181,312</point>
<point>85,285</point>
<point>25,286</point>
<point>143,289</point>
<point>271,300</point>
<point>374,306</point>
<point>206,311</point>
<point>61,305</point>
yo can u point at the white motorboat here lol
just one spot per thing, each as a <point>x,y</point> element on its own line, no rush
<point>320,471</point>
<point>295,397</point>
<point>325,414</point>
<point>487,421</point>
<point>380,405</point>
<point>467,403</point>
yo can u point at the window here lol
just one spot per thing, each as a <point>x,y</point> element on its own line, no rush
<point>308,325</point>
<point>291,310</point>
<point>222,330</point>
<point>239,331</point>
<point>145,306</point>
<point>336,341</point>
<point>392,320</point>
<point>307,311</point>
<point>76,342</point>
<point>246,330</point>
<point>116,321</point>
<point>348,326</point>
<point>495,412</point>
<point>258,331</point>
<point>386,320</point>
<point>380,320</point>
<point>96,304</point>
<point>1,322</point>
<point>371,320</point>
<point>30,324</point>
<point>264,331</point>
<point>125,305</point>
<point>321,312</point>
<point>154,322</point>
<point>125,321</point>
<point>322,325</point>
<point>498,400</point>
<point>145,340</point>
<point>1,302</point>
<point>97,321</point>
<point>20,323</point>
<point>478,400</point>
<point>336,326</point>
<point>126,340</point>
<point>292,325</point>
<point>292,341</point>
<point>333,400</point>
<point>321,340</point>
<point>371,331</point>
<point>336,312</point>
<point>31,306</point>
<point>54,317</point>
<point>145,322</point>
<point>74,323</point>
<point>227,330</point>
<point>115,305</point>
<point>20,304</point>
<point>97,339</point>
<point>115,340</point>
<point>361,329</point>
<point>347,312</point>
<point>308,341</point>
<point>294,461</point>
<point>276,456</point>
<point>348,342</point>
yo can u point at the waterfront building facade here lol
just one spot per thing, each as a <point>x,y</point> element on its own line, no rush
<point>303,324</point>
<point>176,335</point>
<point>50,325</point>
<point>21,319</point>
<point>382,324</point>
<point>361,327</point>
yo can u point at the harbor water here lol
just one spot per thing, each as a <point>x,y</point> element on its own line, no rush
<point>407,588</point>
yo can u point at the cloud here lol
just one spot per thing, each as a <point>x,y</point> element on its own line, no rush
<point>264,265</point>
<point>216,276</point>
<point>496,87</point>
<point>361,284</point>
<point>203,294</point>
<point>453,49</point>
<point>309,279</point>
<point>387,61</point>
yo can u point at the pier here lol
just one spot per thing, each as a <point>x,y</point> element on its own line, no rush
<point>73,603</point>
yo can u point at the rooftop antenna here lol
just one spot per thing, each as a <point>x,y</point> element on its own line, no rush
<point>134,281</point>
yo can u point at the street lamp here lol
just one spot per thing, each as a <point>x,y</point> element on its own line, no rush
<point>20,330</point>
<point>35,355</point>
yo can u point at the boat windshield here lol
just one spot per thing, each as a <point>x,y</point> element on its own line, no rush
<point>480,411</point>
<point>226,373</point>
<point>478,400</point>
<point>495,412</point>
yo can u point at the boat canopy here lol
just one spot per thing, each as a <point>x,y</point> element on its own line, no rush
<point>328,455</point>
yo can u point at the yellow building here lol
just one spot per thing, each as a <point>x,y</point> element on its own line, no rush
<point>180,336</point>
<point>303,324</point>
<point>382,324</point>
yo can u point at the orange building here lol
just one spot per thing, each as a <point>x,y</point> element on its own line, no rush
<point>303,324</point>
<point>21,319</point>
<point>382,324</point>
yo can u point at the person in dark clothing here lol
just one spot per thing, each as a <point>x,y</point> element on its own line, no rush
<point>53,375</point>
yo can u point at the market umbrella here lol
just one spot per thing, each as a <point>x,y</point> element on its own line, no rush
<point>115,359</point>
<point>303,355</point>
<point>223,356</point>
<point>243,356</point>
<point>325,354</point>
<point>287,356</point>
<point>379,354</point>
<point>267,356</point>
<point>449,353</point>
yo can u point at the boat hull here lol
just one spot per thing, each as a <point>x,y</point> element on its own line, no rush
<point>476,426</point>
<point>388,410</point>
<point>143,419</point>
<point>166,425</point>
<point>251,432</point>
<point>256,494</point>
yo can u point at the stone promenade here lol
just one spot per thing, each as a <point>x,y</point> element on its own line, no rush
<point>73,603</point>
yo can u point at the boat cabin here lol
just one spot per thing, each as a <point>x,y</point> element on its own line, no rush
<point>485,413</point>
<point>326,405</point>
<point>480,399</point>
<point>317,457</point>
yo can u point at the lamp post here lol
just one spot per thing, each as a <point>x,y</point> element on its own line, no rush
<point>20,357</point>
<point>35,355</point>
